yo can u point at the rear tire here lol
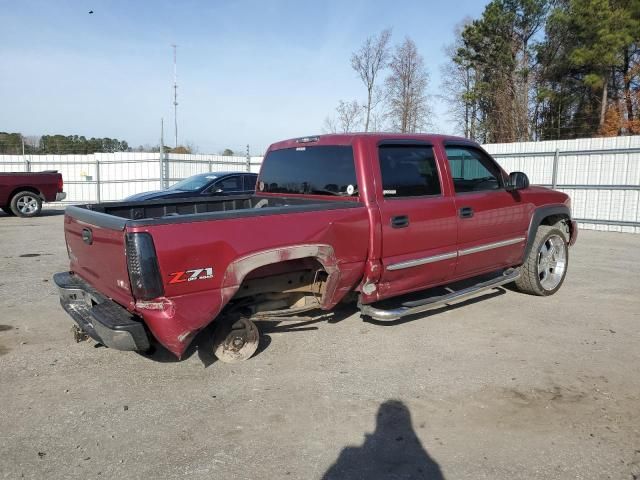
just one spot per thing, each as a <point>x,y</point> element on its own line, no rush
<point>545,268</point>
<point>26,204</point>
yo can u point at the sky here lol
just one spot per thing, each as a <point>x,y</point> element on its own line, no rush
<point>249,72</point>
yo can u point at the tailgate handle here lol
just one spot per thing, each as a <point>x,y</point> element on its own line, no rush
<point>401,221</point>
<point>87,236</point>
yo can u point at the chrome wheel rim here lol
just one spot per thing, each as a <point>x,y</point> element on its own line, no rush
<point>552,262</point>
<point>27,204</point>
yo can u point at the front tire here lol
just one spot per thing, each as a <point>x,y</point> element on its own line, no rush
<point>26,204</point>
<point>545,268</point>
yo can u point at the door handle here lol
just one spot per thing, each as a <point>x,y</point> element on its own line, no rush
<point>466,212</point>
<point>400,221</point>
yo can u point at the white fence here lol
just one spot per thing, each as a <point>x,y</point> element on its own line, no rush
<point>602,175</point>
<point>113,176</point>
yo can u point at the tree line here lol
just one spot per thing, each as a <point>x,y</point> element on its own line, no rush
<point>545,70</point>
<point>14,143</point>
<point>524,70</point>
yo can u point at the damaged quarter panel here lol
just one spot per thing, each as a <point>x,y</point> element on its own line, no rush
<point>336,238</point>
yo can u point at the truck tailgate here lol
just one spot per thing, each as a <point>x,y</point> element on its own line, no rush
<point>98,255</point>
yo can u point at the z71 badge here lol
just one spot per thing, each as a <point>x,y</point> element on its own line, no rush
<point>191,275</point>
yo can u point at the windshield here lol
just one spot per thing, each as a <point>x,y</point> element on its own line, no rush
<point>192,184</point>
<point>322,170</point>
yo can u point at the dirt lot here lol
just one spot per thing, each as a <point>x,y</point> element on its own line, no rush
<point>507,386</point>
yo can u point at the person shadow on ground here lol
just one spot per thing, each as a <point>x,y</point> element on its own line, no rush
<point>392,451</point>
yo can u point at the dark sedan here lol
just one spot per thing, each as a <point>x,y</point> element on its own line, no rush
<point>206,185</point>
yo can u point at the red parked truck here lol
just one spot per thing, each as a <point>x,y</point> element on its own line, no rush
<point>371,217</point>
<point>23,193</point>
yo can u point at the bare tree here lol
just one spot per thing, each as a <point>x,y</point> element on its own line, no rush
<point>457,86</point>
<point>406,89</point>
<point>330,125</point>
<point>349,116</point>
<point>378,121</point>
<point>368,61</point>
<point>191,146</point>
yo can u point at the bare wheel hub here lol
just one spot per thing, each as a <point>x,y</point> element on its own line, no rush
<point>237,342</point>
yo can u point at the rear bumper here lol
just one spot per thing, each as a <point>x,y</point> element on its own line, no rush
<point>60,196</point>
<point>102,319</point>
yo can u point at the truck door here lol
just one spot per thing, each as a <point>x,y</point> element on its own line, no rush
<point>492,222</point>
<point>5,188</point>
<point>419,221</point>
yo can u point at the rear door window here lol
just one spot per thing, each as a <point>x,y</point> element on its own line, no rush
<point>408,171</point>
<point>229,184</point>
<point>320,170</point>
<point>250,182</point>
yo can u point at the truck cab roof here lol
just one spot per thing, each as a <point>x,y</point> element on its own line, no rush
<point>350,138</point>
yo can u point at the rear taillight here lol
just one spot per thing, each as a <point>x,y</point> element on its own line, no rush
<point>142,263</point>
<point>60,184</point>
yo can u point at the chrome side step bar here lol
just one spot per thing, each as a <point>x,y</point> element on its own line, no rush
<point>419,306</point>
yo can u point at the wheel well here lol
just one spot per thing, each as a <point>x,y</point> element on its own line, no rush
<point>23,189</point>
<point>282,285</point>
<point>548,216</point>
<point>559,218</point>
<point>307,263</point>
<point>553,219</point>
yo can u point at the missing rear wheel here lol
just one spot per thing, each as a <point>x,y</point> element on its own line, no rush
<point>237,341</point>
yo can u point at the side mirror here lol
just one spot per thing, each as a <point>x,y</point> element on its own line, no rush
<point>219,190</point>
<point>517,181</point>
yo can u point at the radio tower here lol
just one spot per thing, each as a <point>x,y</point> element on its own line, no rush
<point>175,95</point>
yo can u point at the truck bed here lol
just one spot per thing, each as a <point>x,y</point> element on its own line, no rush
<point>118,215</point>
<point>229,237</point>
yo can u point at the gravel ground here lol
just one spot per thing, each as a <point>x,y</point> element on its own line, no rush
<point>505,386</point>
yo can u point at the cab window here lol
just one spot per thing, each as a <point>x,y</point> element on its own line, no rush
<point>472,170</point>
<point>317,170</point>
<point>229,184</point>
<point>408,171</point>
<point>250,182</point>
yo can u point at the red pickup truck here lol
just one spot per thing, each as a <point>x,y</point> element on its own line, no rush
<point>366,217</point>
<point>22,193</point>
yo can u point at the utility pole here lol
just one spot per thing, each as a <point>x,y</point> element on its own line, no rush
<point>162,173</point>
<point>248,159</point>
<point>175,93</point>
<point>27,163</point>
